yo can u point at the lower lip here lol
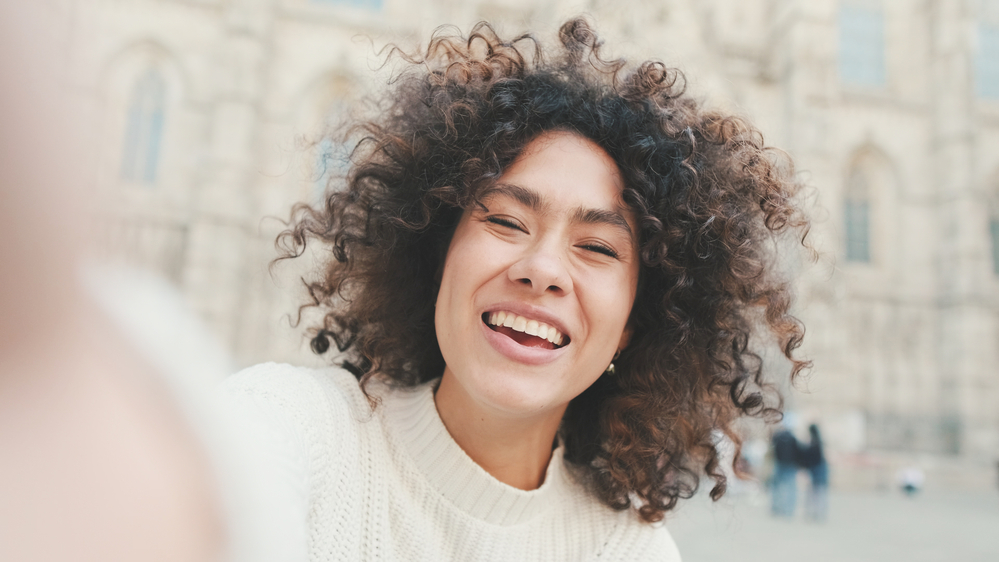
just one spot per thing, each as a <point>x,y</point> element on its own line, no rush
<point>520,353</point>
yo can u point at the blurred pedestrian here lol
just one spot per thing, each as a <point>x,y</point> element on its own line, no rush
<point>814,461</point>
<point>911,479</point>
<point>787,451</point>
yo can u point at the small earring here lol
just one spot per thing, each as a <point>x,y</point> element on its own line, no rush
<point>610,368</point>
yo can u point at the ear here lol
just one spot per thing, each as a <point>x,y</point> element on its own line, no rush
<point>625,338</point>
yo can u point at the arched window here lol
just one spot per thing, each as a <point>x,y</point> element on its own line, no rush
<point>994,234</point>
<point>325,107</point>
<point>144,129</point>
<point>987,54</point>
<point>332,159</point>
<point>861,43</point>
<point>857,216</point>
<point>994,229</point>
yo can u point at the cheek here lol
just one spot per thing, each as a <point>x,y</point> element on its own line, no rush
<point>450,269</point>
<point>611,297</point>
<point>474,257</point>
<point>454,275</point>
<point>458,280</point>
<point>629,288</point>
<point>448,315</point>
<point>612,308</point>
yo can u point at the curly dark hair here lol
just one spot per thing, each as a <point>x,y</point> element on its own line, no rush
<point>712,202</point>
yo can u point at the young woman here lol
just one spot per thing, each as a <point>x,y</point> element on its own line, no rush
<point>547,273</point>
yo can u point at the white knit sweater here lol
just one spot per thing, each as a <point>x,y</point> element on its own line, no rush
<point>391,484</point>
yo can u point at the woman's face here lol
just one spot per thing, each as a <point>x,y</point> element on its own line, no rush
<point>539,281</point>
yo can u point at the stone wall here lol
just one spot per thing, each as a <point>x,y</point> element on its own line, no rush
<point>904,342</point>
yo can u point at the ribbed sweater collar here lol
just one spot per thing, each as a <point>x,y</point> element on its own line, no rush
<point>415,423</point>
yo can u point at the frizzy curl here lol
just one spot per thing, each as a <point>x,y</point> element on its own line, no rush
<point>713,204</point>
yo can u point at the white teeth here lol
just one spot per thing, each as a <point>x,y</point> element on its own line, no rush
<point>527,326</point>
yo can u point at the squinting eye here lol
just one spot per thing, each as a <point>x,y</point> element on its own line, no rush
<point>601,250</point>
<point>504,222</point>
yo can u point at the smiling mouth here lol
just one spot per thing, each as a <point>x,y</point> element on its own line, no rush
<point>526,332</point>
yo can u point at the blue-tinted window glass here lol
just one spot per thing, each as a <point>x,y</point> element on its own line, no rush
<point>369,4</point>
<point>994,231</point>
<point>861,44</point>
<point>857,218</point>
<point>332,159</point>
<point>144,129</point>
<point>858,247</point>
<point>987,61</point>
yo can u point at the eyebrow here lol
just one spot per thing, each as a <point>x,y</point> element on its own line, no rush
<point>537,203</point>
<point>524,196</point>
<point>602,216</point>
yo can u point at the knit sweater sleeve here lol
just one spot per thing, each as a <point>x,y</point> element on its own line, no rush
<point>299,421</point>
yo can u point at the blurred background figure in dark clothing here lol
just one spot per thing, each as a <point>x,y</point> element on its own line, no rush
<point>813,460</point>
<point>784,486</point>
<point>911,479</point>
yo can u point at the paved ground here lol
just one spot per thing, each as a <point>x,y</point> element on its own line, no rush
<point>883,527</point>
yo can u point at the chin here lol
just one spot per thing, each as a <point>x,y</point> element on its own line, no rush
<point>522,393</point>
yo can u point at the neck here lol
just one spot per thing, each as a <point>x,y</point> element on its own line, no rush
<point>516,450</point>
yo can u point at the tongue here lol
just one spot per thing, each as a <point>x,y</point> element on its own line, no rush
<point>524,339</point>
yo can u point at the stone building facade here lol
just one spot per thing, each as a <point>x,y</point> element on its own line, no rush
<point>211,114</point>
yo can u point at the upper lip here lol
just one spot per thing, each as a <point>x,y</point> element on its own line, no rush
<point>531,312</point>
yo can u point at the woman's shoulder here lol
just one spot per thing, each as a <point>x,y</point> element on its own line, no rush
<point>295,395</point>
<point>621,534</point>
<point>292,427</point>
<point>281,383</point>
<point>618,534</point>
<point>642,541</point>
<point>661,546</point>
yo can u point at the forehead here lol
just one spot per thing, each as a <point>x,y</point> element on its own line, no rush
<point>567,170</point>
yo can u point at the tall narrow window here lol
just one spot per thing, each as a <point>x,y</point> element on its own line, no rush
<point>857,217</point>
<point>994,229</point>
<point>144,129</point>
<point>987,60</point>
<point>861,43</point>
<point>994,235</point>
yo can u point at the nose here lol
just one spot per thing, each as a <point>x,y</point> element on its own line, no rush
<point>542,270</point>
